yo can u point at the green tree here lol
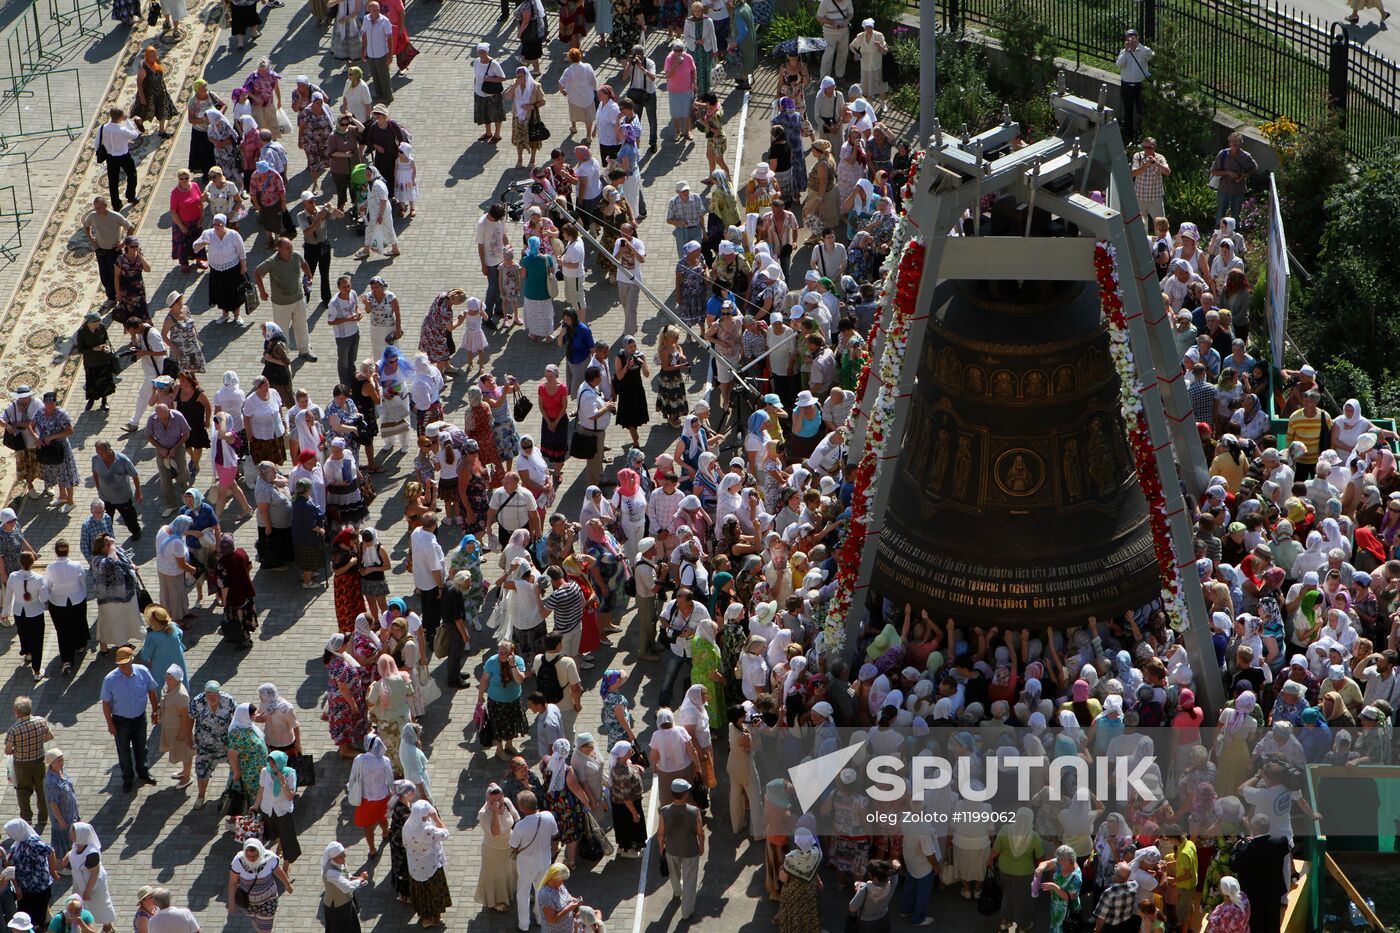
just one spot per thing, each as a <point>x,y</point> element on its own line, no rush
<point>1029,53</point>
<point>1176,105</point>
<point>1310,164</point>
<point>1350,310</point>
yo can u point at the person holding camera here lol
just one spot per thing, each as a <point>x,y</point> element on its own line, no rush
<point>648,572</point>
<point>1134,68</point>
<point>640,75</point>
<point>629,253</point>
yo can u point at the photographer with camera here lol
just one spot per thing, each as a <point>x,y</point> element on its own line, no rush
<point>640,75</point>
<point>828,113</point>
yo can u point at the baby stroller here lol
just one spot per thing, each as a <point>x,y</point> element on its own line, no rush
<point>359,194</point>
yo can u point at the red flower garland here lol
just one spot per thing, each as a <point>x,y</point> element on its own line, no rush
<point>1144,456</point>
<point>910,272</point>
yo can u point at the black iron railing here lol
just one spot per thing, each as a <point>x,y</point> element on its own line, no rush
<point>1263,59</point>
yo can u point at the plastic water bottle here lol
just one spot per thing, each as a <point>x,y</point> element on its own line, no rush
<point>1354,914</point>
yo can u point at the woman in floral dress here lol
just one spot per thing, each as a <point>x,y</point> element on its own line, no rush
<point>573,26</point>
<point>790,118</point>
<point>345,697</point>
<point>247,752</point>
<point>670,381</point>
<point>264,88</point>
<point>614,213</point>
<point>53,427</point>
<point>131,286</point>
<point>314,129</point>
<point>502,420</point>
<point>1231,915</point>
<point>626,29</point>
<point>617,718</point>
<point>211,711</point>
<point>435,336</point>
<point>473,490</point>
<point>345,565</point>
<point>567,798</point>
<point>479,428</point>
<point>692,288</point>
<point>404,795</point>
<point>1063,886</point>
<point>153,101</point>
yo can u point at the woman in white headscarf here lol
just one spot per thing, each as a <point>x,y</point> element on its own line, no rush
<point>256,872</point>
<point>596,506</point>
<point>1113,840</point>
<point>1313,558</point>
<point>1332,537</point>
<point>84,859</point>
<point>380,237</point>
<point>526,98</point>
<point>591,768</point>
<point>1232,913</point>
<point>693,715</point>
<point>177,728</point>
<point>728,499</point>
<point>1146,870</point>
<point>567,798</point>
<point>1016,851</point>
<point>495,885</point>
<point>428,892</point>
<point>369,788</point>
<point>534,472</point>
<point>1348,427</point>
<point>341,912</point>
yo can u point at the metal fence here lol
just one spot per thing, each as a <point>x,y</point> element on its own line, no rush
<point>1264,59</point>
<point>38,38</point>
<point>50,103</point>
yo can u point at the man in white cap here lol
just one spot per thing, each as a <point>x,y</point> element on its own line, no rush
<point>680,834</point>
<point>647,574</point>
<point>314,224</point>
<point>686,214</point>
<point>835,17</point>
<point>828,113</point>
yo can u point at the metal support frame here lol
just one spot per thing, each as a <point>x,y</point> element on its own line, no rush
<point>1049,174</point>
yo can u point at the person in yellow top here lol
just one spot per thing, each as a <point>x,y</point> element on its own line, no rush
<point>1230,462</point>
<point>1181,902</point>
<point>1308,425</point>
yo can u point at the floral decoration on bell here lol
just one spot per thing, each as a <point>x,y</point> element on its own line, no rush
<point>1130,392</point>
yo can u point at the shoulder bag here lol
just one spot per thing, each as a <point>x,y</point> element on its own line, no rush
<point>584,446</point>
<point>101,147</point>
<point>14,440</point>
<point>551,280</point>
<point>523,407</point>
<point>515,852</point>
<point>49,454</point>
<point>305,767</point>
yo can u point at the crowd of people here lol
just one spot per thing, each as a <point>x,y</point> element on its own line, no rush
<point>714,560</point>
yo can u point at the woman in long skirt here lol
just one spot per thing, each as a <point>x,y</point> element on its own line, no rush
<point>380,237</point>
<point>99,360</point>
<point>428,891</point>
<point>404,795</point>
<point>495,886</point>
<point>342,913</point>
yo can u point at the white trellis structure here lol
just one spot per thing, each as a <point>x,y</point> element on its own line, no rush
<point>1052,174</point>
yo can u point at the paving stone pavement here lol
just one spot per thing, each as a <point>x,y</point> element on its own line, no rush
<point>155,836</point>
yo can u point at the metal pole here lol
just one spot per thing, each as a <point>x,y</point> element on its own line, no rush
<point>928,70</point>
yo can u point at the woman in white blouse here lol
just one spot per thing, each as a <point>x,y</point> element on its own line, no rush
<point>342,913</point>
<point>26,597</point>
<point>66,580</point>
<point>262,417</point>
<point>228,265</point>
<point>428,892</point>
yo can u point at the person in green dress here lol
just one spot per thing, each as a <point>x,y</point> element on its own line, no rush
<point>247,753</point>
<point>706,669</point>
<point>744,36</point>
<point>1063,886</point>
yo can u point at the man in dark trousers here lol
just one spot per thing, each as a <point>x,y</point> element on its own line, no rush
<point>1257,865</point>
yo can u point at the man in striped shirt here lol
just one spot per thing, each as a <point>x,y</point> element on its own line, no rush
<point>565,601</point>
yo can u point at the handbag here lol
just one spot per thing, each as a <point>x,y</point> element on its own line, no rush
<point>582,446</point>
<point>284,123</point>
<point>232,802</point>
<point>442,641</point>
<point>639,756</point>
<point>305,767</point>
<point>535,129</point>
<point>522,409</point>
<point>367,490</point>
<point>250,296</point>
<point>592,844</point>
<point>248,826</point>
<point>989,901</point>
<point>289,226</point>
<point>153,14</point>
<point>662,865</point>
<point>14,440</point>
<point>551,280</point>
<point>429,691</point>
<point>240,897</point>
<point>49,454</point>
<point>101,146</point>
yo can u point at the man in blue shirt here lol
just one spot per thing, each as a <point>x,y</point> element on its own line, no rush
<point>125,693</point>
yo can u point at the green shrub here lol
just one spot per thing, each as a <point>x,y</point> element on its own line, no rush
<point>1176,108</point>
<point>886,13</point>
<point>1314,160</point>
<point>1188,197</point>
<point>963,94</point>
<point>1344,380</point>
<point>1029,52</point>
<point>800,22</point>
<point>905,49</point>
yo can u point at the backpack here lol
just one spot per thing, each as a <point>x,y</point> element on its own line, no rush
<point>547,681</point>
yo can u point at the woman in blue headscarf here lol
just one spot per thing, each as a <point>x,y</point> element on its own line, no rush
<point>396,377</point>
<point>172,563</point>
<point>202,539</point>
<point>536,271</point>
<point>276,799</point>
